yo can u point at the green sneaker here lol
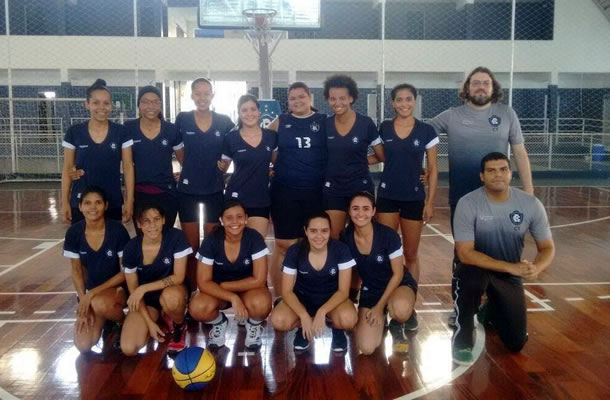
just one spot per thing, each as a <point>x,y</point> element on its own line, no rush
<point>463,356</point>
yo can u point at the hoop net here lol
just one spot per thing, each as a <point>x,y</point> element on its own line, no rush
<point>260,19</point>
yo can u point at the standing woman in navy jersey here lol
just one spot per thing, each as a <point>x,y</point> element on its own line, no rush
<point>349,135</point>
<point>299,170</point>
<point>232,271</point>
<point>154,264</point>
<point>94,246</point>
<point>315,284</point>
<point>401,198</point>
<point>386,285</point>
<point>201,179</point>
<point>93,153</point>
<point>250,147</point>
<point>154,142</point>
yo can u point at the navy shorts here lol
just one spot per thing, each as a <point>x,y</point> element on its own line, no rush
<point>188,207</point>
<point>368,298</point>
<point>312,303</point>
<point>262,212</point>
<point>336,203</point>
<point>290,207</point>
<point>412,210</point>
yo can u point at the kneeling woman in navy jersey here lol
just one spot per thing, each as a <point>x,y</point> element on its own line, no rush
<point>250,147</point>
<point>93,154</point>
<point>155,266</point>
<point>94,247</point>
<point>386,284</point>
<point>232,270</point>
<point>349,135</point>
<point>154,142</point>
<point>315,284</point>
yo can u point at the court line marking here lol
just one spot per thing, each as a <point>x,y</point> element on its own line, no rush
<point>574,299</point>
<point>7,312</point>
<point>32,293</point>
<point>604,297</point>
<point>23,321</point>
<point>6,271</point>
<point>602,189</point>
<point>4,395</point>
<point>34,239</point>
<point>45,312</point>
<point>43,245</point>
<point>581,223</point>
<point>435,303</point>
<point>477,350</point>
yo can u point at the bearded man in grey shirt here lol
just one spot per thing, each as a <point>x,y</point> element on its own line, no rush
<point>482,125</point>
<point>490,224</point>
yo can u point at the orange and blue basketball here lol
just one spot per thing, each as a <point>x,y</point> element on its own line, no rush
<point>194,368</point>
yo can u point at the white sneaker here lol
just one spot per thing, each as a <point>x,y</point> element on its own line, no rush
<point>254,334</point>
<point>216,337</point>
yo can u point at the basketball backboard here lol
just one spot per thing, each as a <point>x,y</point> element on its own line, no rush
<point>290,14</point>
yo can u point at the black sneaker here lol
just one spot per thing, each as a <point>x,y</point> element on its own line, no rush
<point>300,343</point>
<point>411,324</point>
<point>482,316</point>
<point>277,301</point>
<point>400,344</point>
<point>108,328</point>
<point>339,342</point>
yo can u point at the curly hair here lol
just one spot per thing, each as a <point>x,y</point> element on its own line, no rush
<point>496,95</point>
<point>341,81</point>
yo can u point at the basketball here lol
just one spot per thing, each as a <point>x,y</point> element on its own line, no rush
<point>194,368</point>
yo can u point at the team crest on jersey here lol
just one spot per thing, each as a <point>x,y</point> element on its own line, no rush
<point>416,143</point>
<point>109,253</point>
<point>167,261</point>
<point>268,148</point>
<point>314,127</point>
<point>333,271</point>
<point>355,140</point>
<point>495,122</point>
<point>185,181</point>
<point>379,258</point>
<point>247,261</point>
<point>164,142</point>
<point>217,133</point>
<point>516,218</point>
<point>113,146</point>
<point>288,126</point>
<point>382,185</point>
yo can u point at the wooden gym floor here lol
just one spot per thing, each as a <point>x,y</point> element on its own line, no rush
<point>567,356</point>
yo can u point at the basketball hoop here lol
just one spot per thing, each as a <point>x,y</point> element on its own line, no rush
<point>264,41</point>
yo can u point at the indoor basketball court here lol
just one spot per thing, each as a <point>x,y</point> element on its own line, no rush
<point>551,58</point>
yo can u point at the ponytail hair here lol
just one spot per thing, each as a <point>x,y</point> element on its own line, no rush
<point>99,84</point>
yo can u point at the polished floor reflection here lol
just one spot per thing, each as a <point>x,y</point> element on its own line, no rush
<point>566,356</point>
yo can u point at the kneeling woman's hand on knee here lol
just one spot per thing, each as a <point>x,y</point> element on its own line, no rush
<point>133,302</point>
<point>156,332</point>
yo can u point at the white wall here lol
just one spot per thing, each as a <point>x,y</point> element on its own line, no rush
<point>581,45</point>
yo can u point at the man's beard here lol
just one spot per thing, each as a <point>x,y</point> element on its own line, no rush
<point>479,100</point>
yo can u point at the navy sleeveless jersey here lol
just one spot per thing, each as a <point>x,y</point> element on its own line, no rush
<point>212,252</point>
<point>100,161</point>
<point>348,169</point>
<point>173,246</point>
<point>153,158</point>
<point>202,150</point>
<point>375,268</point>
<point>311,282</point>
<point>102,264</point>
<point>250,180</point>
<point>404,157</point>
<point>301,158</point>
